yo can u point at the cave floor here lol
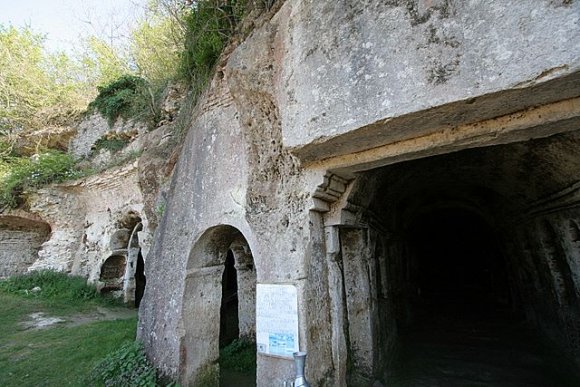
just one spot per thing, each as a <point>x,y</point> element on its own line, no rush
<point>476,350</point>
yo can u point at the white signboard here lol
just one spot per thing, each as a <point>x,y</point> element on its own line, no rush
<point>277,319</point>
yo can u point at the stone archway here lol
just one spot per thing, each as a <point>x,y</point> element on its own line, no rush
<point>203,304</point>
<point>112,273</point>
<point>124,243</point>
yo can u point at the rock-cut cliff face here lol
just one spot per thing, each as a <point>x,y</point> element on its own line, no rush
<point>21,237</point>
<point>343,150</point>
<point>81,226</point>
<point>288,152</point>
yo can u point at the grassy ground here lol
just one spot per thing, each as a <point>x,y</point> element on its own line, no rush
<point>60,355</point>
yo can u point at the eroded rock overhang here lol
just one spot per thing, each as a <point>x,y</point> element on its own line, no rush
<point>360,75</point>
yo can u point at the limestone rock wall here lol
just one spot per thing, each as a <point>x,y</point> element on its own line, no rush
<point>84,216</point>
<point>211,179</point>
<point>366,66</point>
<point>93,127</point>
<point>21,236</point>
<point>320,81</point>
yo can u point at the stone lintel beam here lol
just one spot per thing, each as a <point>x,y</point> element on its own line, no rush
<point>537,122</point>
<point>434,119</point>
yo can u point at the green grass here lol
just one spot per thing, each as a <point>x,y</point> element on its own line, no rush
<point>239,355</point>
<point>58,290</point>
<point>23,174</point>
<point>57,356</point>
<point>60,355</point>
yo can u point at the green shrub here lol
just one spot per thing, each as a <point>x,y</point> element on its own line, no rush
<point>128,366</point>
<point>27,173</point>
<point>124,97</point>
<point>112,144</point>
<point>53,286</point>
<point>113,141</point>
<point>6,149</point>
<point>209,25</point>
<point>239,355</point>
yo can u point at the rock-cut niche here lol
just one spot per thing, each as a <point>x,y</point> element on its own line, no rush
<point>221,286</point>
<point>124,270</point>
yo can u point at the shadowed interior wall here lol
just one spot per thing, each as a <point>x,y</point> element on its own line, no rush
<point>484,228</point>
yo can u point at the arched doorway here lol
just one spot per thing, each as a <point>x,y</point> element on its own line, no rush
<point>125,242</point>
<point>220,286</point>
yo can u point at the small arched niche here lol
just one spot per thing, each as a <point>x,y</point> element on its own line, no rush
<point>220,285</point>
<point>21,238</point>
<point>125,241</point>
<point>112,273</point>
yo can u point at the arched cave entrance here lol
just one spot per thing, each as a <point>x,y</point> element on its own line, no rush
<point>220,286</point>
<point>455,268</point>
<point>124,243</point>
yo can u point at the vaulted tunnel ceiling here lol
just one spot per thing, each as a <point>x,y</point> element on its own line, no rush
<point>508,178</point>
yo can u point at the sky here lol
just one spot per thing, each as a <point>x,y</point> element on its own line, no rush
<point>65,22</point>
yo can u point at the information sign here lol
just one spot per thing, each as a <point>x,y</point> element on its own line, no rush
<point>277,319</point>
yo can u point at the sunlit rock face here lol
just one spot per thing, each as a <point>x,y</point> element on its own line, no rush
<point>395,161</point>
<point>86,217</point>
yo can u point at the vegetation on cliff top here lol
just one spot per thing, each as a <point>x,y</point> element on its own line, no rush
<point>177,41</point>
<point>26,173</point>
<point>37,89</point>
<point>120,98</point>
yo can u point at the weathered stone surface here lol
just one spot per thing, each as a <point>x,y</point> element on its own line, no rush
<point>370,67</point>
<point>155,168</point>
<point>94,126</point>
<point>313,98</point>
<point>212,172</point>
<point>84,216</point>
<point>21,236</point>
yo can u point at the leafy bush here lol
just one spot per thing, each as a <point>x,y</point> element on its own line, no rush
<point>209,25</point>
<point>26,173</point>
<point>121,98</point>
<point>128,366</point>
<point>113,142</point>
<point>53,286</point>
<point>239,355</point>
